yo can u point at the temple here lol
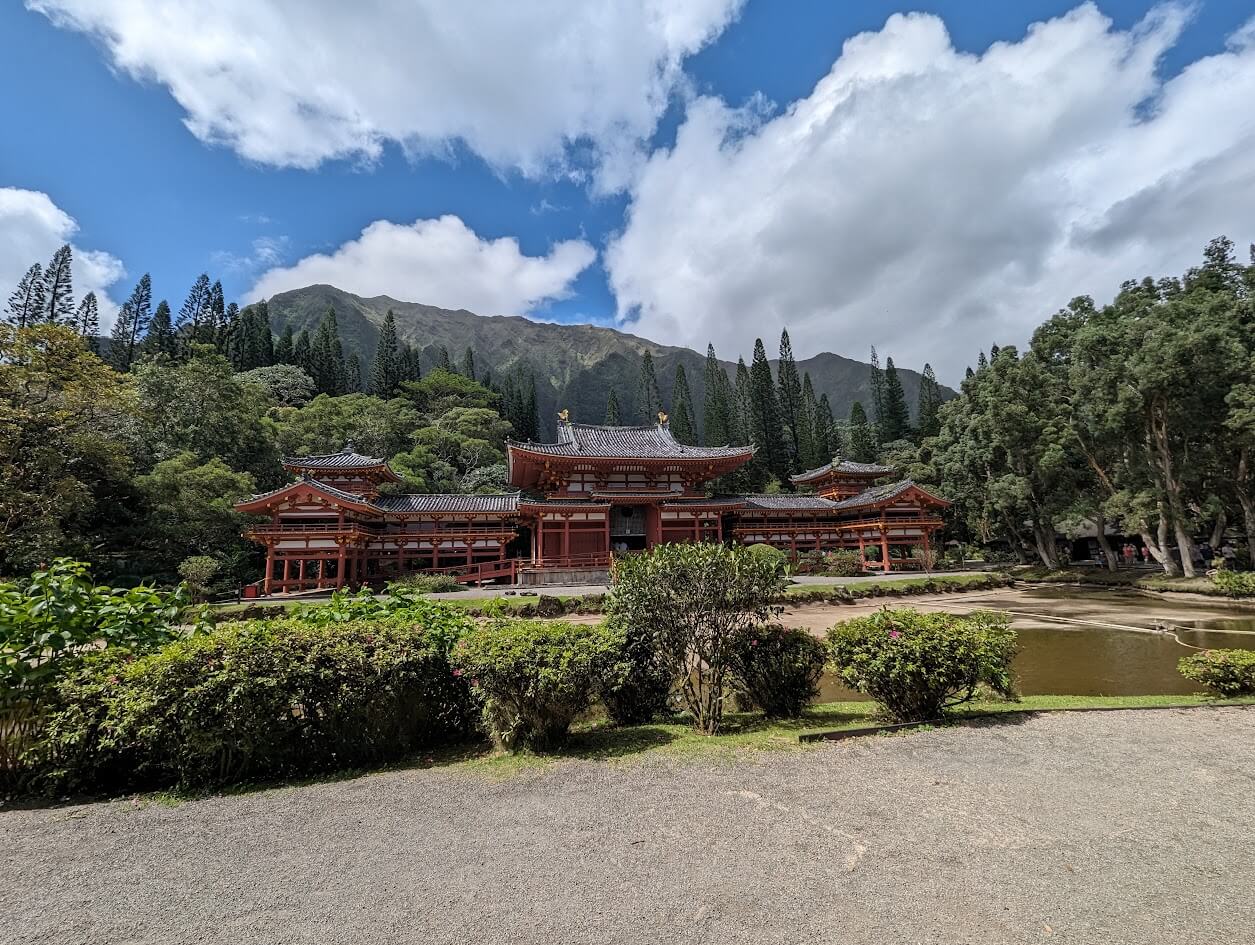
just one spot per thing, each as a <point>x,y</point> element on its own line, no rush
<point>597,492</point>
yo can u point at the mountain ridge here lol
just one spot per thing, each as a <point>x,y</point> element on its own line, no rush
<point>576,365</point>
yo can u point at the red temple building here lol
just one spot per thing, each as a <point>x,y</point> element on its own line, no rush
<point>596,492</point>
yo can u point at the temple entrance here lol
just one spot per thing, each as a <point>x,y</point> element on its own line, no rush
<point>627,528</point>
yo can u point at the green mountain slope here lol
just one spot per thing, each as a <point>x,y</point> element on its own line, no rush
<point>576,366</point>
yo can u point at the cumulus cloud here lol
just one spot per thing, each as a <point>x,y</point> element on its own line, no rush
<point>438,262</point>
<point>293,84</point>
<point>32,228</point>
<point>932,202</point>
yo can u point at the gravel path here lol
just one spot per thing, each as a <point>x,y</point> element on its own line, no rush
<point>1109,827</point>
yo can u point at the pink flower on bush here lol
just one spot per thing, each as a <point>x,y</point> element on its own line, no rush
<point>894,634</point>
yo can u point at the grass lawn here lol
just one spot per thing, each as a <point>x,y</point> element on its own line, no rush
<point>749,732</point>
<point>950,582</point>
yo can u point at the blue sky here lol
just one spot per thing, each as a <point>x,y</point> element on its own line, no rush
<point>107,144</point>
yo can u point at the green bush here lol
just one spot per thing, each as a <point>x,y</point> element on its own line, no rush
<point>425,584</point>
<point>770,555</point>
<point>52,621</point>
<point>261,700</point>
<point>918,665</point>
<point>1235,583</point>
<point>534,676</point>
<point>636,686</point>
<point>1224,672</point>
<point>348,606</point>
<point>778,669</point>
<point>694,600</point>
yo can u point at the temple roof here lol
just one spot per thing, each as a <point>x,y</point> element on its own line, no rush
<point>785,502</point>
<point>347,458</point>
<point>643,442</point>
<point>842,466</point>
<point>444,502</point>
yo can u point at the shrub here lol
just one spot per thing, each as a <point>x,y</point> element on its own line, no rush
<point>778,669</point>
<point>1224,672</point>
<point>1235,583</point>
<point>918,665</point>
<point>769,554</point>
<point>694,600</point>
<point>348,606</point>
<point>843,563</point>
<point>49,623</point>
<point>425,584</point>
<point>260,700</point>
<point>534,676</point>
<point>198,573</point>
<point>636,686</point>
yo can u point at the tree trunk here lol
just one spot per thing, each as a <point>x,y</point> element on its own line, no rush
<point>1100,521</point>
<point>1044,538</point>
<point>1185,544</point>
<point>1217,532</point>
<point>1248,520</point>
<point>1158,547</point>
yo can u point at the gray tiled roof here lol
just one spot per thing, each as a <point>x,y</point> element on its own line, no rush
<point>345,459</point>
<point>874,495</point>
<point>645,442</point>
<point>322,487</point>
<point>843,466</point>
<point>436,502</point>
<point>721,501</point>
<point>785,502</point>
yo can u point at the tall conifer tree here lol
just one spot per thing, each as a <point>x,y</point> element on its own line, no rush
<point>443,362</point>
<point>303,352</point>
<point>132,324</point>
<point>808,450</point>
<point>612,409</point>
<point>742,399</point>
<point>26,304</point>
<point>681,419</point>
<point>827,437</point>
<point>862,442</point>
<point>159,339</point>
<point>408,368</point>
<point>877,384</point>
<point>285,347</point>
<point>895,424</point>
<point>87,320</point>
<point>326,357</point>
<point>716,420</point>
<point>790,387</point>
<point>59,287</point>
<point>468,363</point>
<point>648,399</point>
<point>195,310</point>
<point>765,425</point>
<point>352,374</point>
<point>928,419</point>
<point>385,373</point>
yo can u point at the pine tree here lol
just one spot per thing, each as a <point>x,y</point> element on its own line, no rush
<point>303,353</point>
<point>895,424</point>
<point>741,426</point>
<point>716,406</point>
<point>227,335</point>
<point>808,452</point>
<point>468,363</point>
<point>929,422</point>
<point>443,362</point>
<point>408,368</point>
<point>827,437</point>
<point>681,419</point>
<point>59,287</point>
<point>790,387</point>
<point>87,320</point>
<point>132,324</point>
<point>648,399</point>
<point>159,338</point>
<point>326,357</point>
<point>981,362</point>
<point>532,409</point>
<point>385,373</point>
<point>284,350</point>
<point>772,456</point>
<point>215,316</point>
<point>877,384</point>
<point>862,445</point>
<point>26,304</point>
<point>352,374</point>
<point>612,409</point>
<point>264,340</point>
<point>194,312</point>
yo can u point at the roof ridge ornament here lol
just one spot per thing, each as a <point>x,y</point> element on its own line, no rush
<point>564,415</point>
<point>349,446</point>
<point>662,419</point>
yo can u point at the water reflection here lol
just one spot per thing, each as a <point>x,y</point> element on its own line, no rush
<point>1066,659</point>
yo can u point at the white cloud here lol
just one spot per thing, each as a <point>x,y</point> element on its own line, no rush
<point>32,228</point>
<point>932,202</point>
<point>439,262</point>
<point>294,84</point>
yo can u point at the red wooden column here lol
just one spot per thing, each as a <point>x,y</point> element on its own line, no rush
<point>270,568</point>
<point>862,551</point>
<point>286,566</point>
<point>300,574</point>
<point>566,538</point>
<point>607,514</point>
<point>340,563</point>
<point>884,546</point>
<point>927,565</point>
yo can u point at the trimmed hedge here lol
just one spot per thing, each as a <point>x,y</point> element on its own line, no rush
<point>778,669</point>
<point>1235,583</point>
<point>1224,672</point>
<point>534,677</point>
<point>918,665</point>
<point>257,701</point>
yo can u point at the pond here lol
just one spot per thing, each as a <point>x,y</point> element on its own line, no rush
<point>1070,643</point>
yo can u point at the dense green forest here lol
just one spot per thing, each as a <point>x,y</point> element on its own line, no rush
<point>129,451</point>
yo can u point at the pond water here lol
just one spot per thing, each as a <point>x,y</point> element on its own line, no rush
<point>1066,650</point>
